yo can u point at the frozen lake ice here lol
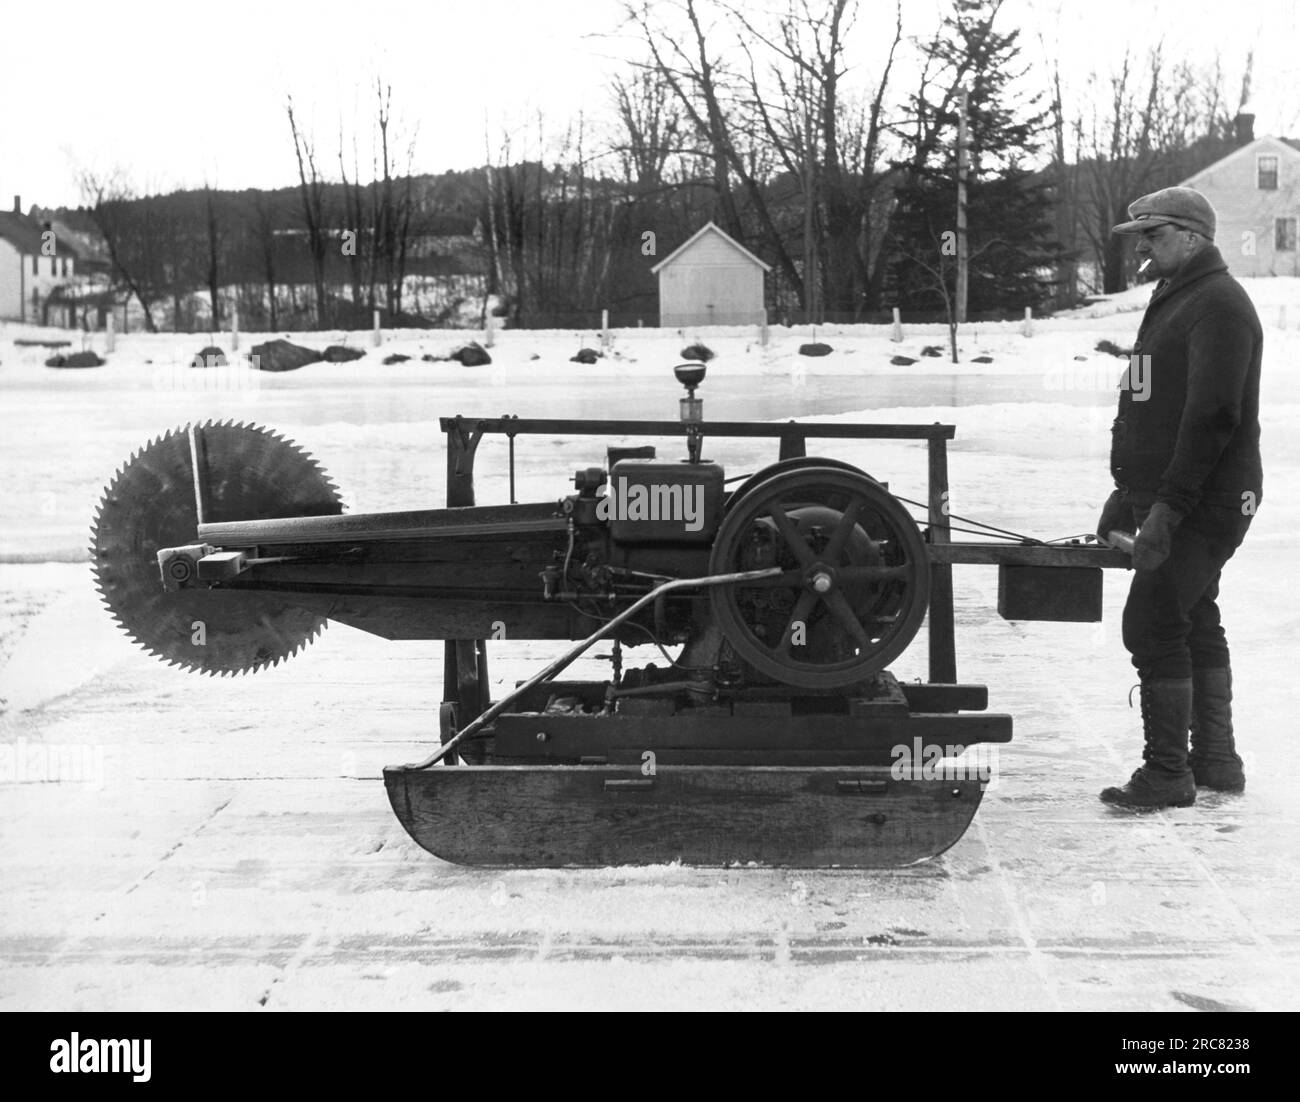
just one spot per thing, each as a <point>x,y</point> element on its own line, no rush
<point>237,849</point>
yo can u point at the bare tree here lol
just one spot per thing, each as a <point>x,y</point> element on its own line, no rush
<point>311,187</point>
<point>940,265</point>
<point>1064,170</point>
<point>176,259</point>
<point>359,240</point>
<point>797,156</point>
<point>264,226</point>
<point>214,241</point>
<point>131,233</point>
<point>550,230</point>
<point>1157,123</point>
<point>828,140</point>
<point>404,225</point>
<point>700,82</point>
<point>379,214</point>
<point>651,127</point>
<point>792,125</point>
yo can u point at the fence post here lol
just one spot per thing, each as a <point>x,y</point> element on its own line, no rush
<point>234,327</point>
<point>762,334</point>
<point>378,337</point>
<point>110,334</point>
<point>898,326</point>
<point>489,329</point>
<point>604,329</point>
<point>1029,321</point>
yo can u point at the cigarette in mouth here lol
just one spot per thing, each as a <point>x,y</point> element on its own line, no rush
<point>1144,265</point>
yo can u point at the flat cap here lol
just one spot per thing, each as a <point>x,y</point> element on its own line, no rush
<point>1180,206</point>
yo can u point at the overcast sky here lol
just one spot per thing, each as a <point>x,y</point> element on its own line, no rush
<point>178,92</point>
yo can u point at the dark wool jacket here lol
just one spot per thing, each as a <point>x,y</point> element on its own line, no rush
<point>1195,437</point>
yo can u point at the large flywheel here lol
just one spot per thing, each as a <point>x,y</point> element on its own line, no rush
<point>854,583</point>
<point>238,472</point>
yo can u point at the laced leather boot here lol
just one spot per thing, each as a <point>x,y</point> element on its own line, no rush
<point>1213,757</point>
<point>1164,779</point>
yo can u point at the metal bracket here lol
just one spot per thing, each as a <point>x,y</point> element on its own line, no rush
<point>222,565</point>
<point>179,565</point>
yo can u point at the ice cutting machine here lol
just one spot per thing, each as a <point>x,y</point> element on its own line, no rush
<point>772,736</point>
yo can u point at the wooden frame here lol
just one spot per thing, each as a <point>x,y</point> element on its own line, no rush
<point>464,435</point>
<point>759,779</point>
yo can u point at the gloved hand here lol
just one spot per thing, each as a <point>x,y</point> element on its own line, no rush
<point>1116,513</point>
<point>1156,537</point>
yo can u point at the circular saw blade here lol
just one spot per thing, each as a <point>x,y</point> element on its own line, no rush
<point>247,473</point>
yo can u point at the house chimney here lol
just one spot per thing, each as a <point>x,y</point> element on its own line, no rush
<point>18,204</point>
<point>1244,125</point>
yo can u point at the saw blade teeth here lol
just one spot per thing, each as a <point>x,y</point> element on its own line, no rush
<point>252,466</point>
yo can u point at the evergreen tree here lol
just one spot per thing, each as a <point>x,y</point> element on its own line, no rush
<point>1009,205</point>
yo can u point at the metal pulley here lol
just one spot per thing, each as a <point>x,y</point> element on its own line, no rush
<point>854,583</point>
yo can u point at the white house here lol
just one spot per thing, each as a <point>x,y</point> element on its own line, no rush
<point>1255,191</point>
<point>711,279</point>
<point>32,265</point>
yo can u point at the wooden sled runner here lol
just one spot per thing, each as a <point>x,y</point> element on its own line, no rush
<point>801,782</point>
<point>598,815</point>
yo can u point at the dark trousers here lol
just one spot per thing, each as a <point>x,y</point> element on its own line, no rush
<point>1171,620</point>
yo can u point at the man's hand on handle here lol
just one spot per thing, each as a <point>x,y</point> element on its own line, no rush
<point>1115,514</point>
<point>1156,536</point>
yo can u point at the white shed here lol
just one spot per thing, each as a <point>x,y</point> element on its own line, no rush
<point>711,279</point>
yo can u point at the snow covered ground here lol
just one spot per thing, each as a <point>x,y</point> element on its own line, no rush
<point>228,843</point>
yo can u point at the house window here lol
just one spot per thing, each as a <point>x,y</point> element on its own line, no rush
<point>36,265</point>
<point>1266,172</point>
<point>65,267</point>
<point>1284,237</point>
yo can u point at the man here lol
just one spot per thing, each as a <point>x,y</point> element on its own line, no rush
<point>1185,459</point>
